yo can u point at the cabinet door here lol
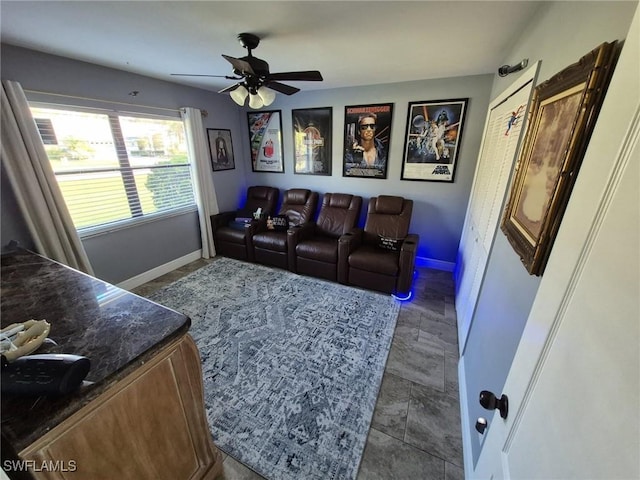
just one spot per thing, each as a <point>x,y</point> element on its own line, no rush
<point>150,425</point>
<point>502,132</point>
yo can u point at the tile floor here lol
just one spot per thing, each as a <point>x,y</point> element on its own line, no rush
<point>415,432</point>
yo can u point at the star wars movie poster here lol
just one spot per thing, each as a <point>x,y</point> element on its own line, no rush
<point>434,130</point>
<point>367,136</point>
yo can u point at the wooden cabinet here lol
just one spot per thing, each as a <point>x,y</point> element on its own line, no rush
<point>149,425</point>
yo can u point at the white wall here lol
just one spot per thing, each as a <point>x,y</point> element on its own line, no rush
<point>559,35</point>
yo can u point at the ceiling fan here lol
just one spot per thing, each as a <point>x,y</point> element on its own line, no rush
<point>254,77</point>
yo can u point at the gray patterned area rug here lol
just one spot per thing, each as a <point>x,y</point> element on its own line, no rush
<point>292,365</point>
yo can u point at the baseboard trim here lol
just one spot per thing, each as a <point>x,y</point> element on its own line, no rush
<point>467,450</point>
<point>160,270</point>
<point>435,264</point>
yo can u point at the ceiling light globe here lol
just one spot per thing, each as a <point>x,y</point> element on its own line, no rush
<point>255,101</point>
<point>239,95</point>
<point>267,95</point>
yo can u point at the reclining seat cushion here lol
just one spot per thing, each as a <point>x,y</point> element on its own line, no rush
<point>298,208</point>
<point>271,240</point>
<point>370,258</point>
<point>320,248</point>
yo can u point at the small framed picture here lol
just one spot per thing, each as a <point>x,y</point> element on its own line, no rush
<point>220,149</point>
<point>367,135</point>
<point>265,138</point>
<point>432,141</point>
<point>312,140</point>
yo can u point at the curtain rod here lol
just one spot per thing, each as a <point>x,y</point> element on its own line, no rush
<point>173,110</point>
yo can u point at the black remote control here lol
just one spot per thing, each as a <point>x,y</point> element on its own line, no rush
<point>44,374</point>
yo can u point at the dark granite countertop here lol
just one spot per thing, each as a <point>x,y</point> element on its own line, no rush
<point>115,329</point>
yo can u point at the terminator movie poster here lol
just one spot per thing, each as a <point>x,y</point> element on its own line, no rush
<point>367,136</point>
<point>265,136</point>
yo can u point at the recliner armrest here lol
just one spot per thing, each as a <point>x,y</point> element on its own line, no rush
<point>221,219</point>
<point>258,226</point>
<point>407,262</point>
<point>304,231</point>
<point>410,244</point>
<point>295,235</point>
<point>347,243</point>
<point>250,229</point>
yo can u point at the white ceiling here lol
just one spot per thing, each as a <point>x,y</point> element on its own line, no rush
<point>351,42</point>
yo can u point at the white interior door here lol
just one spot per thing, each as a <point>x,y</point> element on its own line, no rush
<point>574,384</point>
<point>502,135</point>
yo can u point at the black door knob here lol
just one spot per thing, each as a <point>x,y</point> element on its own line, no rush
<point>489,401</point>
<point>481,425</point>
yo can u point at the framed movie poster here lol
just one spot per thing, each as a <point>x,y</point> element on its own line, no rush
<point>312,140</point>
<point>432,142</point>
<point>220,149</point>
<point>563,114</point>
<point>367,134</point>
<point>265,139</point>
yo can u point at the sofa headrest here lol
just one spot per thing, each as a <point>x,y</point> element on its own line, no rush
<point>338,200</point>
<point>296,196</point>
<point>262,197</point>
<point>388,205</point>
<point>259,192</point>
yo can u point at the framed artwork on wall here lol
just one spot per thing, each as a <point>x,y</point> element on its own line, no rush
<point>265,140</point>
<point>312,140</point>
<point>367,136</point>
<point>220,149</point>
<point>563,112</point>
<point>432,139</point>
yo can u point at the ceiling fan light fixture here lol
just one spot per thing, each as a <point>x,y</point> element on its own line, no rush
<point>267,95</point>
<point>239,95</point>
<point>255,101</point>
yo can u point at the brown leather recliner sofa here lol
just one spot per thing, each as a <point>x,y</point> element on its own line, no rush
<point>382,255</point>
<point>313,247</point>
<point>379,257</point>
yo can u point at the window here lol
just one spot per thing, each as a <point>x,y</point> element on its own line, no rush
<point>114,168</point>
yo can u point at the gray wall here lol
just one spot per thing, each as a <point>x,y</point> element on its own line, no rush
<point>122,254</point>
<point>508,290</point>
<point>439,208</point>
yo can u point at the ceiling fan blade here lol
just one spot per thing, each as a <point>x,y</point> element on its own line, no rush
<point>199,75</point>
<point>229,88</point>
<point>307,76</point>
<point>282,88</point>
<point>239,65</point>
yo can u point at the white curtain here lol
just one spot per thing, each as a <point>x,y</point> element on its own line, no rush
<point>35,186</point>
<point>203,181</point>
